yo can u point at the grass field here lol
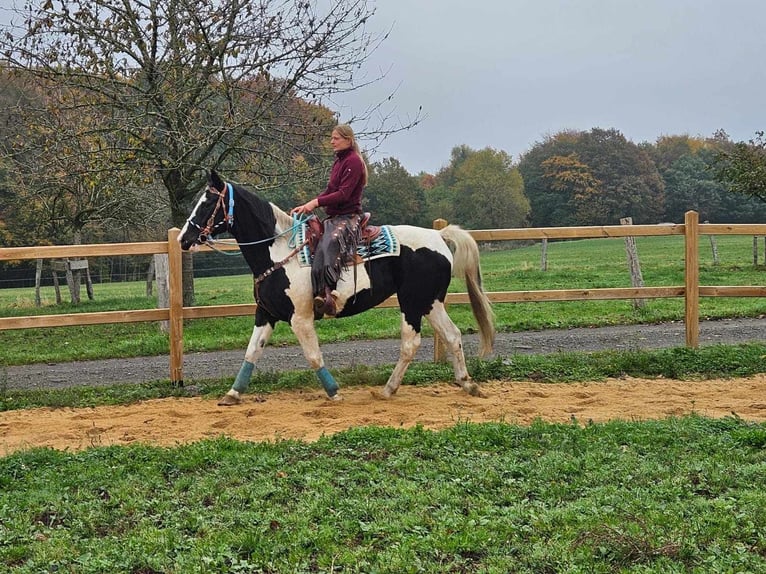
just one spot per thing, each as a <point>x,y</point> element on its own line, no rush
<point>675,495</point>
<point>572,264</point>
<point>679,495</point>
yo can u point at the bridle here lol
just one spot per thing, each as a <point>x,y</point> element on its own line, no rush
<point>210,229</point>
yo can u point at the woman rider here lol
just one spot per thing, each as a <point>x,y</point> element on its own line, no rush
<point>342,201</point>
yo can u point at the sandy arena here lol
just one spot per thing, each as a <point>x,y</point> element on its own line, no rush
<point>308,415</point>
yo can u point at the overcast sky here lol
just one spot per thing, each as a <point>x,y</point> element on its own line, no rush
<point>506,73</point>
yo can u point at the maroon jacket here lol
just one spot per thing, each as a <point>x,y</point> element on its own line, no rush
<point>343,195</point>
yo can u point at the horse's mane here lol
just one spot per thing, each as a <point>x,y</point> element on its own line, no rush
<point>260,215</point>
<point>284,219</point>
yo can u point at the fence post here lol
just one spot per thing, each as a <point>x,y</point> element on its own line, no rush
<point>713,246</point>
<point>175,287</point>
<point>634,265</point>
<point>691,278</point>
<point>440,351</point>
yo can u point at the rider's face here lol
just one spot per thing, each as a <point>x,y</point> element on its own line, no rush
<point>338,142</point>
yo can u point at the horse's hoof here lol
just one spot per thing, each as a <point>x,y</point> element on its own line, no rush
<point>474,390</point>
<point>229,401</point>
<point>379,395</point>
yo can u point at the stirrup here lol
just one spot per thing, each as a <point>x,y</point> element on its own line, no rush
<point>324,306</point>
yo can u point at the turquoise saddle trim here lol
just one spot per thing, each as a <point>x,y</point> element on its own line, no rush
<point>385,244</point>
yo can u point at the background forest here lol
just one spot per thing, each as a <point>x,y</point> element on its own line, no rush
<point>110,118</point>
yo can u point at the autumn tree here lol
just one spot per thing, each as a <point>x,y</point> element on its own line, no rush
<point>183,85</point>
<point>489,192</point>
<point>478,189</point>
<point>743,167</point>
<point>393,195</point>
<point>574,182</point>
<point>621,180</point>
<point>631,185</point>
<point>550,200</point>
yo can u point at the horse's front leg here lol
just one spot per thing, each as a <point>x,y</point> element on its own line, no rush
<point>258,340</point>
<point>303,327</point>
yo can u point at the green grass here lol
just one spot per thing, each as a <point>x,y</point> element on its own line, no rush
<point>677,495</point>
<point>594,263</point>
<point>674,495</point>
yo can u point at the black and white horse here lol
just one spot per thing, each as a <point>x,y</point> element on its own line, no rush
<point>418,271</point>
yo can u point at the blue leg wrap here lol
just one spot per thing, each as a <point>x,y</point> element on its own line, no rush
<point>243,377</point>
<point>328,381</point>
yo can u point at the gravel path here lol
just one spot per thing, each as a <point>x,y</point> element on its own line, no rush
<point>226,363</point>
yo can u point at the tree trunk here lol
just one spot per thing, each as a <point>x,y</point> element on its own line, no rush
<point>188,278</point>
<point>88,281</point>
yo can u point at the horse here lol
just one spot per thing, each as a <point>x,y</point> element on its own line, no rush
<point>417,270</point>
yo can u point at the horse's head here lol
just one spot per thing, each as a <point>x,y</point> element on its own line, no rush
<point>210,216</point>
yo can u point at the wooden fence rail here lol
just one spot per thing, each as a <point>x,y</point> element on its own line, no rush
<point>175,313</point>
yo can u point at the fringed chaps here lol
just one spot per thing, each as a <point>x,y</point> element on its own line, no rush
<point>335,252</point>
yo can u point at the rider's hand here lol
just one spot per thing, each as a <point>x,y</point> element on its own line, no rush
<point>307,207</point>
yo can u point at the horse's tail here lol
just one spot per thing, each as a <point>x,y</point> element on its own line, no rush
<point>466,266</point>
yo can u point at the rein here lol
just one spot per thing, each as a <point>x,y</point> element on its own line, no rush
<point>228,220</point>
<point>257,280</point>
<point>294,229</point>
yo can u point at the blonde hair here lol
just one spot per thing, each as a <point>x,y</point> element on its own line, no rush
<point>345,131</point>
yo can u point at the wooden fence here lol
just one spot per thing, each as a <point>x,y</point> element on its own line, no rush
<point>175,313</point>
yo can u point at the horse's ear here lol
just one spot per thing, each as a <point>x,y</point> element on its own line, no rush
<point>214,180</point>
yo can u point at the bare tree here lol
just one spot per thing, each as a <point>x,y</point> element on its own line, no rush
<point>177,86</point>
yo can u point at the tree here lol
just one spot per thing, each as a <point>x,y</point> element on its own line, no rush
<point>393,195</point>
<point>439,189</point>
<point>689,185</point>
<point>183,85</point>
<point>743,168</point>
<point>489,191</point>
<point>687,166</point>
<point>551,204</point>
<point>591,178</point>
<point>631,185</point>
<point>573,180</point>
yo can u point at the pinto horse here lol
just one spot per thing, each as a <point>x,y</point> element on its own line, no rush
<point>418,271</point>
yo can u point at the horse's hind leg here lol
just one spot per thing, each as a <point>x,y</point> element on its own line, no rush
<point>407,350</point>
<point>258,340</point>
<point>449,332</point>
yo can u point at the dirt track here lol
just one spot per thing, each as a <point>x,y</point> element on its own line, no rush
<point>308,415</point>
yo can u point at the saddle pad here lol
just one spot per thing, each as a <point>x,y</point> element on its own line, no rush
<point>385,244</point>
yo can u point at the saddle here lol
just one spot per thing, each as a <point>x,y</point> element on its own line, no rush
<point>367,232</point>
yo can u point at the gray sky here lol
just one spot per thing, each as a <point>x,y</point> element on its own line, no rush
<point>506,73</point>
